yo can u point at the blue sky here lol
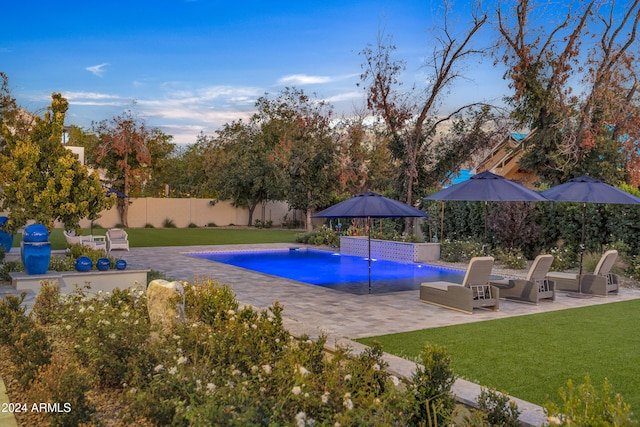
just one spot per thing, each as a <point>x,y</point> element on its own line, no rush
<point>188,66</point>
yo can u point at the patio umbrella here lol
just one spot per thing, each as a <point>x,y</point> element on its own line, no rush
<point>370,205</point>
<point>487,187</point>
<point>118,194</point>
<point>585,190</point>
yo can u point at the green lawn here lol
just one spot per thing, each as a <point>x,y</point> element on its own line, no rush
<point>532,357</point>
<point>146,237</point>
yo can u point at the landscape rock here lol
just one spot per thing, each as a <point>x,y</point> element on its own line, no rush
<point>165,303</point>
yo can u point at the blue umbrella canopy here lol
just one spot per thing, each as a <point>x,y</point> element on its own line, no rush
<point>589,190</point>
<point>487,187</point>
<point>118,194</point>
<point>585,190</point>
<point>370,205</point>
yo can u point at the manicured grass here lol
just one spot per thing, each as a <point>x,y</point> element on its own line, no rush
<point>149,237</point>
<point>532,357</point>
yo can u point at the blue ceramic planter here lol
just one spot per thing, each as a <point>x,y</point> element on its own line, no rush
<point>6,239</point>
<point>121,264</point>
<point>84,263</point>
<point>36,257</point>
<point>103,264</point>
<point>35,233</point>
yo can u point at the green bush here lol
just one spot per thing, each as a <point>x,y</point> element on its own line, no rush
<point>564,258</point>
<point>511,258</point>
<point>585,405</point>
<point>263,224</point>
<point>168,223</point>
<point>47,305</point>
<point>432,398</point>
<point>13,318</point>
<point>499,410</point>
<point>460,250</point>
<point>108,330</point>
<point>10,267</point>
<point>320,236</point>
<point>76,251</point>
<point>65,381</point>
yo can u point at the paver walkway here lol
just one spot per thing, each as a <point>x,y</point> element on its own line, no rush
<point>314,310</point>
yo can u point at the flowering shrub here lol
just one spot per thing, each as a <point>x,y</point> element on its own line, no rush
<point>563,258</point>
<point>584,405</point>
<point>225,365</point>
<point>395,236</point>
<point>320,236</point>
<point>512,258</point>
<point>107,330</point>
<point>460,250</point>
<point>498,409</point>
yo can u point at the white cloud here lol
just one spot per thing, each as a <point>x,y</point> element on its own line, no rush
<point>346,96</point>
<point>88,95</point>
<point>304,79</point>
<point>97,70</point>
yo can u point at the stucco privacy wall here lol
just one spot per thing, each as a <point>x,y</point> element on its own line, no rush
<point>182,212</point>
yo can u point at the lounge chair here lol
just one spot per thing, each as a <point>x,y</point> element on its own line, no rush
<point>117,238</point>
<point>94,242</point>
<point>601,282</point>
<point>474,292</point>
<point>537,286</point>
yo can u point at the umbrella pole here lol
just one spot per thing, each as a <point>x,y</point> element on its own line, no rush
<point>486,213</point>
<point>579,294</point>
<point>442,223</point>
<point>369,259</point>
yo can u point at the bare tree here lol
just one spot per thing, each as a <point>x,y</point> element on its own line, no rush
<point>574,81</point>
<point>412,118</point>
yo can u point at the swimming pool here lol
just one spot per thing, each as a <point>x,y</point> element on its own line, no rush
<point>335,271</point>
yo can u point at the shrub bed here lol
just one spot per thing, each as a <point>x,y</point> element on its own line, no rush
<point>225,365</point>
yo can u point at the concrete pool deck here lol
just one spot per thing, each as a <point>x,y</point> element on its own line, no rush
<point>313,310</point>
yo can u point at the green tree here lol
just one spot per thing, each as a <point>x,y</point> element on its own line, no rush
<point>248,175</point>
<point>161,151</point>
<point>305,147</point>
<point>40,179</point>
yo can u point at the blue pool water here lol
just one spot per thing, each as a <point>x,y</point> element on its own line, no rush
<point>336,271</point>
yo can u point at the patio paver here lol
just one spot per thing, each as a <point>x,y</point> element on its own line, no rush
<point>314,310</point>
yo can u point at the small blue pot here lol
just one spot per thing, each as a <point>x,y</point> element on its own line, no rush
<point>84,264</point>
<point>103,264</point>
<point>121,264</point>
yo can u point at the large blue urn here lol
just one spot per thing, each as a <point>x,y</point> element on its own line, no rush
<point>6,239</point>
<point>36,249</point>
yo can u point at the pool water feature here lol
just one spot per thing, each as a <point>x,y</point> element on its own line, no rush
<point>334,270</point>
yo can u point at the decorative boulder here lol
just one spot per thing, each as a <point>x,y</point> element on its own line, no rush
<point>165,303</point>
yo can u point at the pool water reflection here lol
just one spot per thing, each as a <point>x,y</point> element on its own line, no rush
<point>335,271</point>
